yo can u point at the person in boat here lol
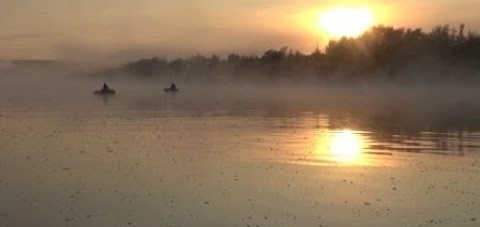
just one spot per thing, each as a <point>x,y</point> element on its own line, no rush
<point>173,87</point>
<point>105,87</point>
<point>105,90</point>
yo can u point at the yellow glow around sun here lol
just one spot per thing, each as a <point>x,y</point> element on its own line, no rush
<point>346,21</point>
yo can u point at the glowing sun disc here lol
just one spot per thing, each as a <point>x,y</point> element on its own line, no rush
<point>348,22</point>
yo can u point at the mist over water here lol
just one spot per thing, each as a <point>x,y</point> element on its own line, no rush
<point>235,154</point>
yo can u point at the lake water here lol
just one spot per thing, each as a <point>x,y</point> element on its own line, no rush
<point>204,158</point>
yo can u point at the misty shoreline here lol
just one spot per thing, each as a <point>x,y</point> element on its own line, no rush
<point>382,56</point>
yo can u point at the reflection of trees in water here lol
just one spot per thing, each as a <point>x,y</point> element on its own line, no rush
<point>388,131</point>
<point>438,129</point>
<point>434,143</point>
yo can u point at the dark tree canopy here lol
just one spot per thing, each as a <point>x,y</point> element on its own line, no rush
<point>381,53</point>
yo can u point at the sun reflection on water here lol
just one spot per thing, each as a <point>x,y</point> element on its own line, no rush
<point>343,146</point>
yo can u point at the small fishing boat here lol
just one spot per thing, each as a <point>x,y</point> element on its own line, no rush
<point>172,88</point>
<point>105,90</point>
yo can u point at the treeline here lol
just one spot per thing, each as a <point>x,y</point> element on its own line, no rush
<point>381,53</point>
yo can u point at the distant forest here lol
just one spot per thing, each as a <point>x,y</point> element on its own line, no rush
<point>381,54</point>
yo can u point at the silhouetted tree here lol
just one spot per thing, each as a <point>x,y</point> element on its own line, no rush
<point>383,52</point>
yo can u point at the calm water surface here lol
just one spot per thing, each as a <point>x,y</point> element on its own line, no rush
<point>152,159</point>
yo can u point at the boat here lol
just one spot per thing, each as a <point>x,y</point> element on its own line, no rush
<point>172,88</point>
<point>105,90</point>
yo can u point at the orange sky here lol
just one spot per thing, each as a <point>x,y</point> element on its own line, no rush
<point>125,29</point>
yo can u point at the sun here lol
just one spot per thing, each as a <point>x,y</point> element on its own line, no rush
<point>346,21</point>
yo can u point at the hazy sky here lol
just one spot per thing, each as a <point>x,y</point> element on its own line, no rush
<point>124,29</point>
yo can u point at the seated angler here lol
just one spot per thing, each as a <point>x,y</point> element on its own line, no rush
<point>105,90</point>
<point>105,87</point>
<point>173,87</point>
